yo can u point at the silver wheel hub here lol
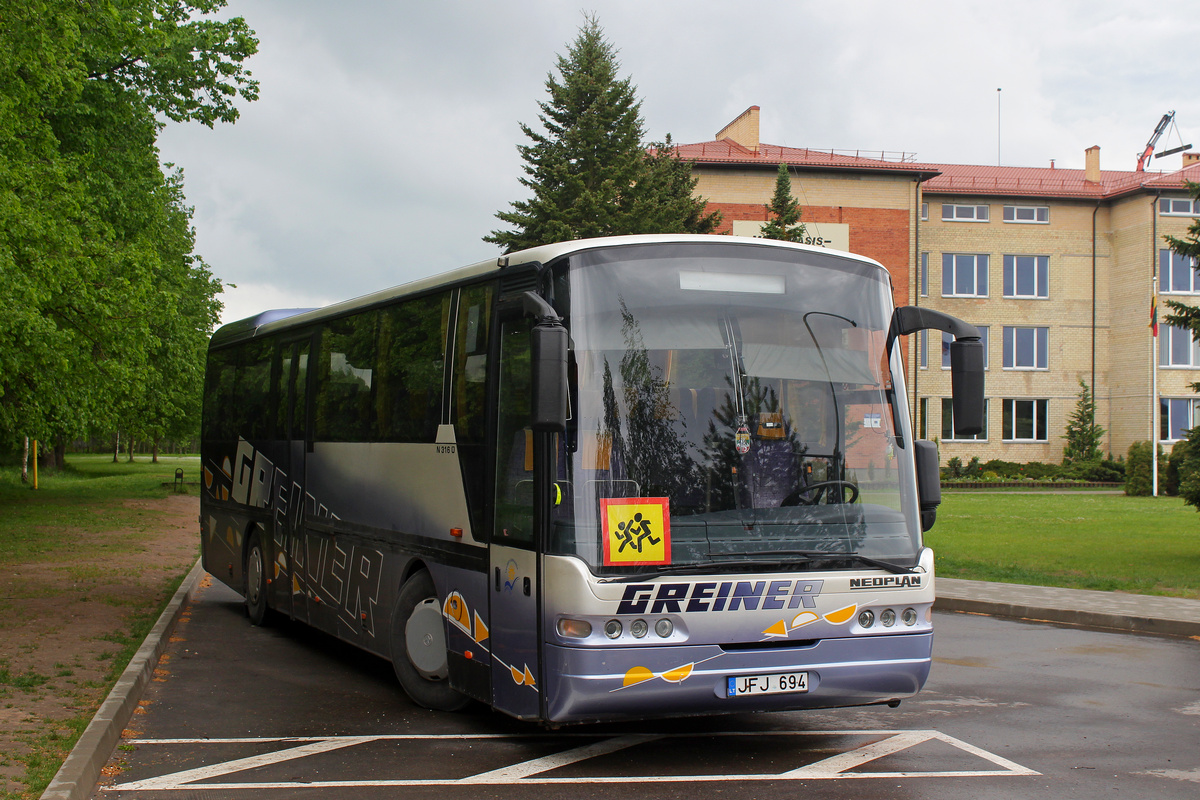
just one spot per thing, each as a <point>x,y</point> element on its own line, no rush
<point>425,640</point>
<point>254,573</point>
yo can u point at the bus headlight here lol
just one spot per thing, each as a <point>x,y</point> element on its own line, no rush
<point>612,628</point>
<point>866,618</point>
<point>664,628</point>
<point>909,617</point>
<point>639,628</point>
<point>574,628</point>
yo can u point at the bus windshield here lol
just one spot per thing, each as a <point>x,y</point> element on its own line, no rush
<point>745,390</point>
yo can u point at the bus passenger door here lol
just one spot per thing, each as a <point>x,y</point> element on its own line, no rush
<point>288,570</point>
<point>514,575</point>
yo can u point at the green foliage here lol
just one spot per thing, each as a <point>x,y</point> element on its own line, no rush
<point>1188,467</point>
<point>1083,434</point>
<point>106,308</point>
<point>783,214</point>
<point>589,173</point>
<point>1139,471</point>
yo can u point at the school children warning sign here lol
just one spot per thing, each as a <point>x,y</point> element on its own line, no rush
<point>637,530</point>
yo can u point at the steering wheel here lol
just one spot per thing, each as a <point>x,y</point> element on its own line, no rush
<point>797,498</point>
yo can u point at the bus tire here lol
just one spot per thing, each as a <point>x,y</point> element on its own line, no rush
<point>418,646</point>
<point>256,581</point>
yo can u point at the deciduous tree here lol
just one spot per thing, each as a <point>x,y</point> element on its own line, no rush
<point>103,292</point>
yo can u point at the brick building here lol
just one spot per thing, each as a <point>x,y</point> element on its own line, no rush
<point>1057,267</point>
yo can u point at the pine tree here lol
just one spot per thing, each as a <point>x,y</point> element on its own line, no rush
<point>783,213</point>
<point>1083,434</point>
<point>589,172</point>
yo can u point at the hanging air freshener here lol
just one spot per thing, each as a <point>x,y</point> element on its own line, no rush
<point>741,440</point>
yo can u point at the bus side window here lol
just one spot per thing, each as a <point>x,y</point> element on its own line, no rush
<point>469,395</point>
<point>252,396</point>
<point>410,370</point>
<point>346,379</point>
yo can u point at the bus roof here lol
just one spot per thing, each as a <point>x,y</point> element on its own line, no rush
<point>282,319</point>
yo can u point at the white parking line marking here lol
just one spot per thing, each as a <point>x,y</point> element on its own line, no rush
<point>528,772</point>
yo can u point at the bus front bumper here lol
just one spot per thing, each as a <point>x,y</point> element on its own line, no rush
<point>584,684</point>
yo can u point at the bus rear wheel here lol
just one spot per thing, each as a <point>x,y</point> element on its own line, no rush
<point>418,646</point>
<point>256,581</point>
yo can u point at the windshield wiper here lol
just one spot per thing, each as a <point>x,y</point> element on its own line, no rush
<point>823,555</point>
<point>792,558</point>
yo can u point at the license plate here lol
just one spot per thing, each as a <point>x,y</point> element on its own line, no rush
<point>780,683</point>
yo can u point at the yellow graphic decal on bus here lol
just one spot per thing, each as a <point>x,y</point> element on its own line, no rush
<point>637,530</point>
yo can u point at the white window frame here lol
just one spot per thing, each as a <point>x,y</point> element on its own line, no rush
<point>979,274</point>
<point>924,277</point>
<point>1169,408</point>
<point>923,348</point>
<point>962,212</point>
<point>1041,348</point>
<point>1036,215</point>
<point>1172,340</point>
<point>1178,207</point>
<point>1041,276</point>
<point>1010,410</point>
<point>1170,264</point>
<point>948,423</point>
<point>924,211</point>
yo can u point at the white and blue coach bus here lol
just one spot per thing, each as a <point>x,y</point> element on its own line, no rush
<point>603,479</point>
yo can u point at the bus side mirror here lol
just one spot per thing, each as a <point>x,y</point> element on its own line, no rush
<point>548,349</point>
<point>929,481</point>
<point>966,361</point>
<point>966,386</point>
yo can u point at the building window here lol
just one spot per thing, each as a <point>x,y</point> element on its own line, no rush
<point>1179,206</point>
<point>1176,348</point>
<point>924,211</point>
<point>923,348</point>
<point>957,213</point>
<point>1025,421</point>
<point>1026,348</point>
<point>1176,416</point>
<point>1176,273</point>
<point>1034,214</point>
<point>964,275</point>
<point>922,424</point>
<point>947,338</point>
<point>948,424</point>
<point>1027,276</point>
<point>924,274</point>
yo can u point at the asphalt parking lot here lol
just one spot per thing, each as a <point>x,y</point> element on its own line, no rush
<point>1012,709</point>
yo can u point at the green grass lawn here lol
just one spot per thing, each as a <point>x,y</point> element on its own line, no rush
<point>88,493</point>
<point>1077,540</point>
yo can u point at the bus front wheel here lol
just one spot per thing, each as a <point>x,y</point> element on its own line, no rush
<point>419,646</point>
<point>256,581</point>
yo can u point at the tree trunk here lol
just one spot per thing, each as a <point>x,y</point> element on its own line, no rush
<point>60,452</point>
<point>25,462</point>
<point>130,449</point>
<point>116,445</point>
<point>154,452</point>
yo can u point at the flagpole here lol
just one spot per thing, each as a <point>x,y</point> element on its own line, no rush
<point>1154,404</point>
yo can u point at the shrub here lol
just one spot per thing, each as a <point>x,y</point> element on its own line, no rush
<point>1138,476</point>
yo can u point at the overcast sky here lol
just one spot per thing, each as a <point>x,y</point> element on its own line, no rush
<point>384,140</point>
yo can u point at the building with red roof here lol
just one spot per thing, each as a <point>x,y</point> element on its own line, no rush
<point>1057,267</point>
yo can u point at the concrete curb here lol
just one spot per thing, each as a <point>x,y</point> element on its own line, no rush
<point>1165,616</point>
<point>77,777</point>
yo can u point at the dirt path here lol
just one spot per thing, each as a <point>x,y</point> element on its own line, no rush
<point>63,623</point>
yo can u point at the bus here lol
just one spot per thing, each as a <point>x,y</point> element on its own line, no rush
<point>605,479</point>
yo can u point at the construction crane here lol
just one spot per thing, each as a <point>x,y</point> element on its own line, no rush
<point>1144,158</point>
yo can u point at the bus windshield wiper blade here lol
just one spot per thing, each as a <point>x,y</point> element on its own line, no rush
<point>785,558</point>
<point>682,569</point>
<point>823,555</point>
